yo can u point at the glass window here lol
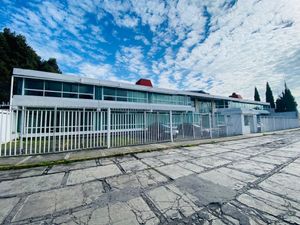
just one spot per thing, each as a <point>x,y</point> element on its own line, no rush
<point>53,94</point>
<point>87,89</point>
<point>70,87</point>
<point>18,85</point>
<point>53,85</point>
<point>35,93</point>
<point>121,93</point>
<point>109,91</point>
<point>246,120</point>
<point>85,96</point>
<point>34,84</point>
<point>69,95</point>
<point>98,93</point>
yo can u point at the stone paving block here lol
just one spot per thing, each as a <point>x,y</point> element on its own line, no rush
<point>284,153</point>
<point>126,158</point>
<point>252,151</point>
<point>93,173</point>
<point>293,168</point>
<point>232,155</point>
<point>270,159</point>
<point>199,152</point>
<point>14,174</point>
<point>271,204</point>
<point>105,161</point>
<point>190,166</point>
<point>133,166</point>
<point>152,162</point>
<point>149,154</point>
<point>72,166</point>
<point>172,202</point>
<point>241,214</point>
<point>252,167</point>
<point>228,177</point>
<point>210,161</point>
<point>48,202</point>
<point>141,179</point>
<point>174,171</point>
<point>172,158</point>
<point>6,205</point>
<point>284,184</point>
<point>297,161</point>
<point>30,184</point>
<point>132,212</point>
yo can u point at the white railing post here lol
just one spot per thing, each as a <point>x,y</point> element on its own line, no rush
<point>193,126</point>
<point>210,125</point>
<point>145,127</point>
<point>54,129</point>
<point>171,126</point>
<point>108,127</point>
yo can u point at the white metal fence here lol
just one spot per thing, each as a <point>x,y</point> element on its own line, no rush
<point>273,123</point>
<point>38,131</point>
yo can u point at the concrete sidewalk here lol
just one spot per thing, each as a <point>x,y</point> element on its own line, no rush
<point>81,155</point>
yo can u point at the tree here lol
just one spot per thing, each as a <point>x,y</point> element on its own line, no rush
<point>256,95</point>
<point>15,52</point>
<point>286,101</point>
<point>269,96</point>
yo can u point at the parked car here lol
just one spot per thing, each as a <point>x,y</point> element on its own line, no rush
<point>161,131</point>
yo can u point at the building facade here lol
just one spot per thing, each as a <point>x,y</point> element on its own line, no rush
<point>54,112</point>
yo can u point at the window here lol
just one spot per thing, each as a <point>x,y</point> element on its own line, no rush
<point>86,89</point>
<point>35,93</point>
<point>109,94</point>
<point>98,93</point>
<point>34,84</point>
<point>247,120</point>
<point>69,87</point>
<point>18,85</point>
<point>53,86</point>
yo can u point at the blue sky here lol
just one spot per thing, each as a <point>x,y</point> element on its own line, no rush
<point>217,46</point>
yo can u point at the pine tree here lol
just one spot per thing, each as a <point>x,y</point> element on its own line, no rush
<point>269,96</point>
<point>256,95</point>
<point>286,101</point>
<point>289,99</point>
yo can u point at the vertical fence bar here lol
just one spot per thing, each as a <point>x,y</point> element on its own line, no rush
<point>171,126</point>
<point>54,129</point>
<point>108,127</point>
<point>210,125</point>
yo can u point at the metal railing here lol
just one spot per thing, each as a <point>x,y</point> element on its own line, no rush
<point>29,131</point>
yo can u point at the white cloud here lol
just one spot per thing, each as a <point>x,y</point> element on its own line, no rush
<point>132,59</point>
<point>101,72</point>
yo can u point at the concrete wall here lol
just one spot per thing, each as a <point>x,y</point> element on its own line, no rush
<point>286,114</point>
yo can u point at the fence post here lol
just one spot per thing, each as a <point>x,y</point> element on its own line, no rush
<point>193,121</point>
<point>210,125</point>
<point>108,127</point>
<point>274,124</point>
<point>22,129</point>
<point>145,127</point>
<point>54,130</point>
<point>171,126</point>
<point>182,124</point>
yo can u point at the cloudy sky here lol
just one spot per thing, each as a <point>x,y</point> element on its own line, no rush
<point>218,46</point>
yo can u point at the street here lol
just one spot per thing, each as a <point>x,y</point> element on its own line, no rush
<point>247,181</point>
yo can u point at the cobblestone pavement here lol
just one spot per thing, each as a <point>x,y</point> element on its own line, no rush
<point>250,181</point>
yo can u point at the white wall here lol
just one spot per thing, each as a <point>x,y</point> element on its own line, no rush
<point>5,125</point>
